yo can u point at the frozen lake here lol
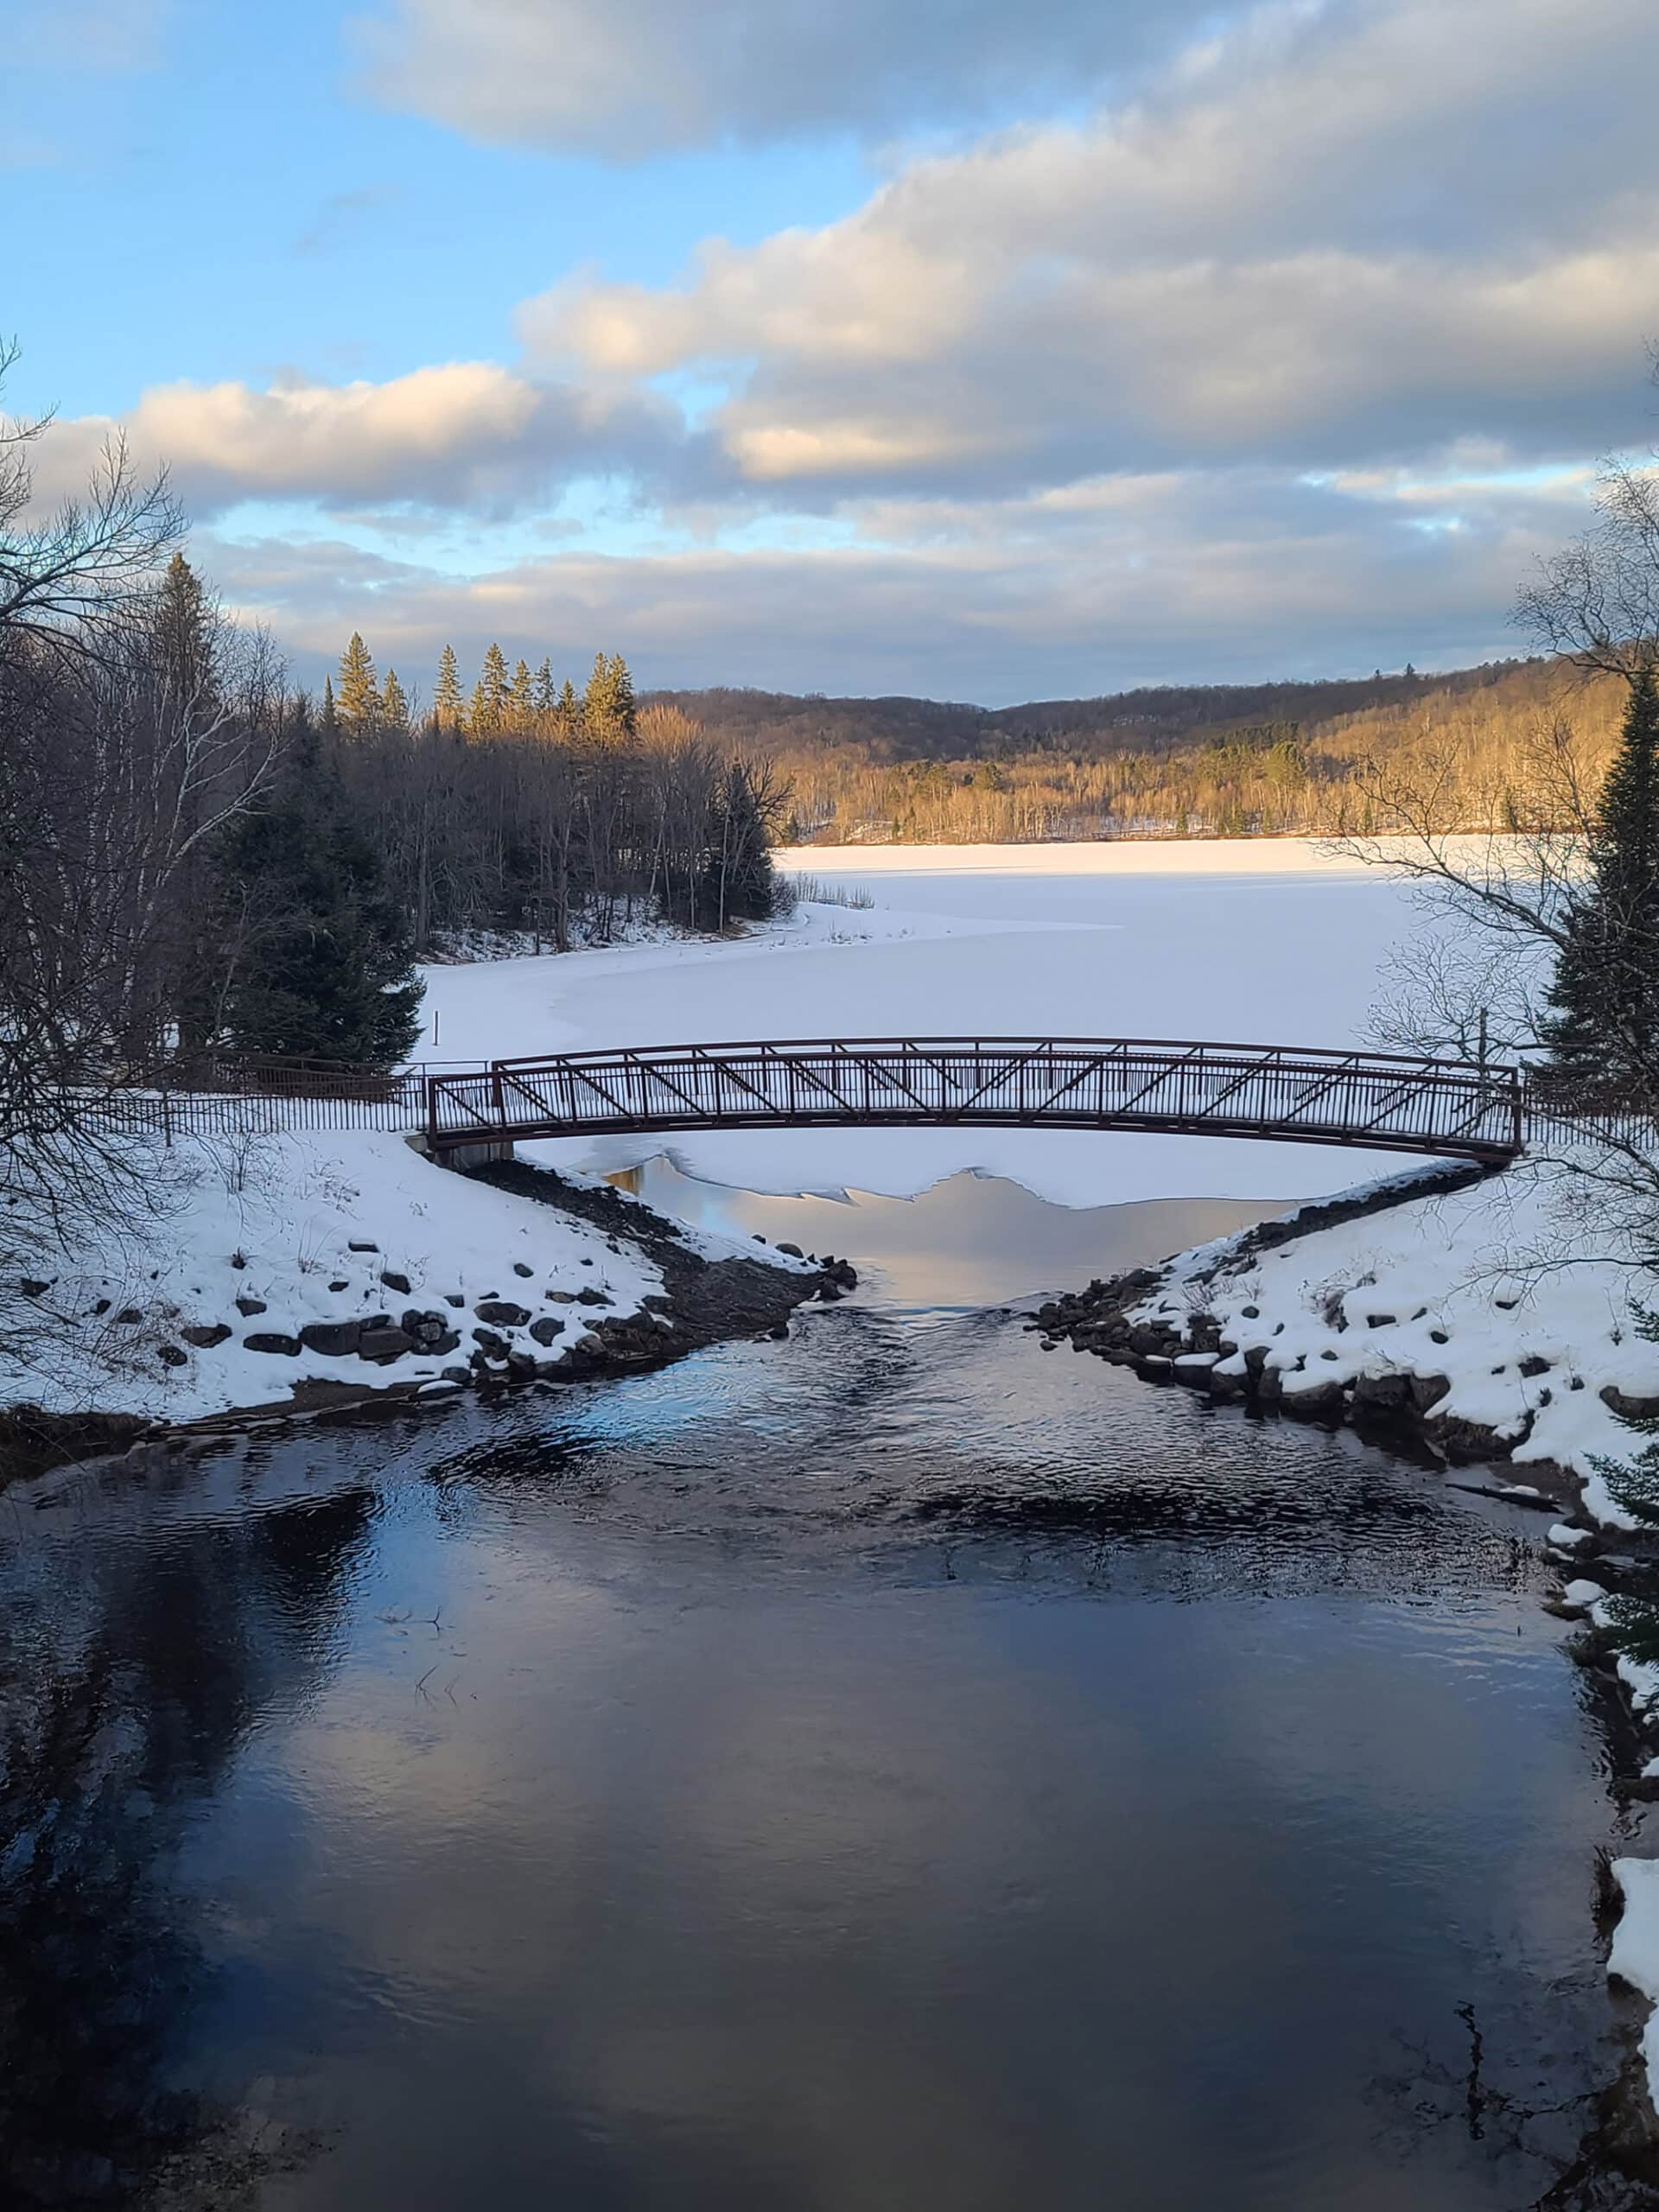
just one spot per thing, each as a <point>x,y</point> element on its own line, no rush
<point>1270,941</point>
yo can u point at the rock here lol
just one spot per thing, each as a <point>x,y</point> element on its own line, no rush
<point>829,1292</point>
<point>130,1316</point>
<point>1325,1401</point>
<point>1381,1320</point>
<point>586,1263</point>
<point>560,1297</point>
<point>502,1313</point>
<point>546,1328</point>
<point>1462,1442</point>
<point>592,1297</point>
<point>32,1286</point>
<point>247,1307</point>
<point>1627,1408</point>
<point>1532,1364</point>
<point>448,1341</point>
<point>341,1284</point>
<point>336,1339</point>
<point>520,1269</point>
<point>489,1341</point>
<point>102,1306</point>
<point>1382,1392</point>
<point>425,1326</point>
<point>206,1337</point>
<point>239,1259</point>
<point>654,1301</point>
<point>268,1340</point>
<point>362,1245</point>
<point>457,1374</point>
<point>521,1365</point>
<point>590,1343</point>
<point>794,1251</point>
<point>394,1280</point>
<point>454,1298</point>
<point>382,1345</point>
<point>170,1356</point>
<point>1427,1390</point>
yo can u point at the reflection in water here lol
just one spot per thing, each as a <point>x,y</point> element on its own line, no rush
<point>892,1767</point>
<point>126,1696</point>
<point>968,1241</point>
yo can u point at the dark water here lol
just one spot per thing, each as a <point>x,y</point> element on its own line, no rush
<point>890,1769</point>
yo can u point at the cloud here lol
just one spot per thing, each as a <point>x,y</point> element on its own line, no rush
<point>631,79</point>
<point>469,436</point>
<point>1351,232</point>
<point>95,34</point>
<point>1098,585</point>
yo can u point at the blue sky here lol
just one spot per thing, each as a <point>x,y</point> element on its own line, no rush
<point>960,349</point>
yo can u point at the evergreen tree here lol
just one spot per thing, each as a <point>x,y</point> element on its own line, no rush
<point>320,962</point>
<point>358,702</point>
<point>568,713</point>
<point>1605,997</point>
<point>449,706</point>
<point>490,695</point>
<point>394,705</point>
<point>608,708</point>
<point>184,627</point>
<point>330,718</point>
<point>544,692</point>
<point>521,700</point>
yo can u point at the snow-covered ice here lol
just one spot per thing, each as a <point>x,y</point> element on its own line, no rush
<point>1272,940</point>
<point>1634,1954</point>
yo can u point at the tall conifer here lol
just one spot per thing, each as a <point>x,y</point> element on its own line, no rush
<point>449,703</point>
<point>1605,998</point>
<point>357,701</point>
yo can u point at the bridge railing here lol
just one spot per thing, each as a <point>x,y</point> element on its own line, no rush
<point>1382,1101</point>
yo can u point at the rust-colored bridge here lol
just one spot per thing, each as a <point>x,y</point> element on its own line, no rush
<point>1378,1101</point>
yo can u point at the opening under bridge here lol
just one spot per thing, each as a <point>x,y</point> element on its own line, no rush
<point>1376,1101</point>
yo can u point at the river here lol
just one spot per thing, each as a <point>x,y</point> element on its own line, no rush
<point>894,1767</point>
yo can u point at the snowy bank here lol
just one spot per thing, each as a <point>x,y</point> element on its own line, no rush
<point>1482,1314</point>
<point>286,1269</point>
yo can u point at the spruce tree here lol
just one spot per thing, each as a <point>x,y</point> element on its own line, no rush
<point>394,705</point>
<point>608,710</point>
<point>448,704</point>
<point>521,699</point>
<point>544,692</point>
<point>357,701</point>
<point>490,695</point>
<point>184,631</point>
<point>1603,1026</point>
<point>330,718</point>
<point>320,960</point>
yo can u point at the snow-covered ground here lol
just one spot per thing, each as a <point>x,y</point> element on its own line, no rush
<point>304,1227</point>
<point>1259,941</point>
<point>1503,1289</point>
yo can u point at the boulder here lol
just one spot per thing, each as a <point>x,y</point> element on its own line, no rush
<point>545,1329</point>
<point>1382,1392</point>
<point>592,1297</point>
<point>394,1280</point>
<point>452,1298</point>
<point>794,1251</point>
<point>206,1337</point>
<point>1463,1443</point>
<point>491,1342</point>
<point>130,1316</point>
<point>341,1284</point>
<point>560,1297</point>
<point>1325,1401</point>
<point>270,1340</point>
<point>247,1307</point>
<point>361,1244</point>
<point>590,1343</point>
<point>382,1345</point>
<point>522,1267</point>
<point>1627,1408</point>
<point>335,1339</point>
<point>501,1313</point>
<point>32,1286</point>
<point>1427,1390</point>
<point>170,1356</point>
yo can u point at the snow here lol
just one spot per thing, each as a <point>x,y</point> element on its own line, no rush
<point>1265,940</point>
<point>1566,1539</point>
<point>1583,1594</point>
<point>290,1207</point>
<point>1634,1956</point>
<point>1451,1285</point>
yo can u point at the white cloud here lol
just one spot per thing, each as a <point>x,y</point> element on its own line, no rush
<point>1346,232</point>
<point>468,435</point>
<point>633,78</point>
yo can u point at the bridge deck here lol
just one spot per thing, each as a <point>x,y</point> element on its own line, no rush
<point>1380,1102</point>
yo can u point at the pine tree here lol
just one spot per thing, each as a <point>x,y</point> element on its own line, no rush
<point>608,708</point>
<point>448,705</point>
<point>1605,997</point>
<point>322,964</point>
<point>358,702</point>
<point>521,700</point>
<point>394,705</point>
<point>544,693</point>
<point>330,718</point>
<point>490,695</point>
<point>567,713</point>
<point>184,629</point>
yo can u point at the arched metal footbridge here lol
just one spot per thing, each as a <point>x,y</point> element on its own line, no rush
<point>1379,1102</point>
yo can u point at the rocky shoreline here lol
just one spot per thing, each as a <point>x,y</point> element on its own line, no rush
<point>489,1344</point>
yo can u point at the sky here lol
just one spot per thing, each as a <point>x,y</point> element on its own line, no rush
<point>959,347</point>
